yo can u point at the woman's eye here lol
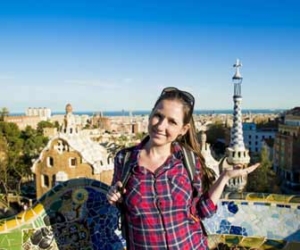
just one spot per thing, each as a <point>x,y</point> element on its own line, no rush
<point>173,122</point>
<point>157,115</point>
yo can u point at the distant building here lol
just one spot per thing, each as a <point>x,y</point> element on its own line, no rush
<point>41,112</point>
<point>287,151</point>
<point>31,118</point>
<point>23,121</point>
<point>254,137</point>
<point>98,121</point>
<point>71,154</point>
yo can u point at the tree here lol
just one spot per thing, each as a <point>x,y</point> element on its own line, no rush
<point>34,142</point>
<point>44,124</point>
<point>215,134</point>
<point>12,146</point>
<point>215,131</point>
<point>18,149</point>
<point>259,181</point>
<point>3,113</point>
<point>3,163</point>
<point>56,125</point>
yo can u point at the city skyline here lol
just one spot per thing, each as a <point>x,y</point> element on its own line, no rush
<point>116,55</point>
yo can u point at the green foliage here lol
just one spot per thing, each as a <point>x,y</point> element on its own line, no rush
<point>17,150</point>
<point>9,130</point>
<point>44,124</point>
<point>215,131</point>
<point>34,142</point>
<point>3,112</point>
<point>261,180</point>
<point>266,123</point>
<point>56,125</point>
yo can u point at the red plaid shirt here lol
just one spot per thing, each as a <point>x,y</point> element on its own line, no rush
<point>159,211</point>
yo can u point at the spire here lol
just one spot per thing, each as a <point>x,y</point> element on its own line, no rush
<point>237,139</point>
<point>237,154</point>
<point>69,125</point>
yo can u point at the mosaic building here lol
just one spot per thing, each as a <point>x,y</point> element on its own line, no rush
<point>71,154</point>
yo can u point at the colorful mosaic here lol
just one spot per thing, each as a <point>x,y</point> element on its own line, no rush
<point>75,215</point>
<point>263,221</point>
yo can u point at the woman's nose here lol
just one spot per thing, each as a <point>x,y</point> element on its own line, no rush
<point>162,124</point>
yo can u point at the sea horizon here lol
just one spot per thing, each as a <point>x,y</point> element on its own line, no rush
<point>147,112</point>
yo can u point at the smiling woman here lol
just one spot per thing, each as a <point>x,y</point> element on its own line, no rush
<point>162,207</point>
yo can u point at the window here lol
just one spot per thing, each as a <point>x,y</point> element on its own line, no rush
<point>72,162</point>
<point>50,161</point>
<point>61,146</point>
<point>45,181</point>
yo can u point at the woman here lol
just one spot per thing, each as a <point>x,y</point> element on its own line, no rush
<point>160,209</point>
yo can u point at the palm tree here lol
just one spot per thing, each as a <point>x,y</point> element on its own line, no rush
<point>3,113</point>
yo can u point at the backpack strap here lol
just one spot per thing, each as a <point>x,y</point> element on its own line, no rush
<point>189,162</point>
<point>126,171</point>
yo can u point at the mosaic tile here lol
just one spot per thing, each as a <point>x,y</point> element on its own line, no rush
<point>232,207</point>
<point>253,242</point>
<point>76,215</point>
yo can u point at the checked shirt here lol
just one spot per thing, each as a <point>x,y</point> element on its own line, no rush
<point>158,206</point>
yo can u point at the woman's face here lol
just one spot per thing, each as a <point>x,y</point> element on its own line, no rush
<point>166,122</point>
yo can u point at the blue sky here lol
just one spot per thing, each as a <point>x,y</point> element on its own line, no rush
<point>114,55</point>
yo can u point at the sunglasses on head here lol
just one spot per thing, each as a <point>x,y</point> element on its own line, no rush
<point>186,96</point>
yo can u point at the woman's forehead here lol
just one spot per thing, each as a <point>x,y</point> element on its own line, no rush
<point>173,108</point>
<point>170,103</point>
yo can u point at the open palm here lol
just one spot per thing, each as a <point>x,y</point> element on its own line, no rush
<point>238,171</point>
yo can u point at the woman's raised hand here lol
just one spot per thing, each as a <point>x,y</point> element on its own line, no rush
<point>238,171</point>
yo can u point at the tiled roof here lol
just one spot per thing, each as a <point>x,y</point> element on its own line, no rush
<point>91,152</point>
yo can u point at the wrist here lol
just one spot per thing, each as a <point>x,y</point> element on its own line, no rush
<point>224,176</point>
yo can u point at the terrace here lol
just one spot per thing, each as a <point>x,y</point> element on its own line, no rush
<point>76,215</point>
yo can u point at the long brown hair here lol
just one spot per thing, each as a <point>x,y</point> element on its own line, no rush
<point>189,139</point>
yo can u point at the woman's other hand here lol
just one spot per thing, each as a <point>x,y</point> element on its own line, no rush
<point>115,192</point>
